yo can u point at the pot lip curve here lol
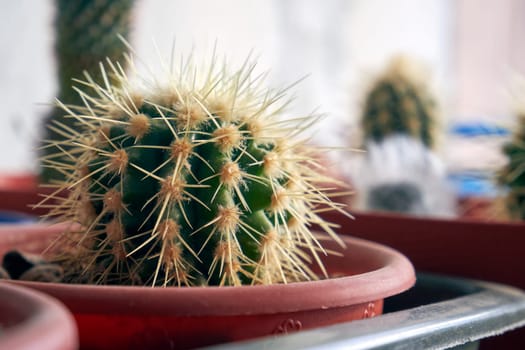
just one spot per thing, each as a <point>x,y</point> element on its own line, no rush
<point>43,320</point>
<point>395,275</point>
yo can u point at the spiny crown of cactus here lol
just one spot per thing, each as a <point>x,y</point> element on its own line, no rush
<point>513,174</point>
<point>196,181</point>
<point>399,103</point>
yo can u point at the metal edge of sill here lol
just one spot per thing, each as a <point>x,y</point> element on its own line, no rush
<point>493,309</point>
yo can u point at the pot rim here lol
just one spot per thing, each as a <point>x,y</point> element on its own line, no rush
<point>42,321</point>
<point>392,274</point>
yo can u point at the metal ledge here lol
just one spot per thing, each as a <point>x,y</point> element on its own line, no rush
<point>477,310</point>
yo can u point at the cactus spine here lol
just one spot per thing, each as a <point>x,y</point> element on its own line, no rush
<point>513,174</point>
<point>86,34</point>
<point>191,182</point>
<point>399,103</point>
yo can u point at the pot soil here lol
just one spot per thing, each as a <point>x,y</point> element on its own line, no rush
<point>111,317</point>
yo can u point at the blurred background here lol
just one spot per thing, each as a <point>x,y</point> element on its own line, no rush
<point>472,54</point>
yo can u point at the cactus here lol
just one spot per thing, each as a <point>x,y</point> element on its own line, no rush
<point>513,174</point>
<point>399,103</point>
<point>196,181</point>
<point>86,34</point>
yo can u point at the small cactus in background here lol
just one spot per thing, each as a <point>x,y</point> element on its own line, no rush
<point>195,181</point>
<point>86,34</point>
<point>399,103</point>
<point>513,174</point>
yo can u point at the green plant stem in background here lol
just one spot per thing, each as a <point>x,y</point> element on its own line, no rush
<point>86,34</point>
<point>513,174</point>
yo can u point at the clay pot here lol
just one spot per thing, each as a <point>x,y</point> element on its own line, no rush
<point>32,320</point>
<point>31,237</point>
<point>111,317</point>
<point>19,192</point>
<point>489,251</point>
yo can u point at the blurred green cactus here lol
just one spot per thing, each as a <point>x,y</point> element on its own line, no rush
<point>513,174</point>
<point>193,182</point>
<point>399,103</point>
<point>86,34</point>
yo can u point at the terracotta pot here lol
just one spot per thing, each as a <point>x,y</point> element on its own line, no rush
<point>111,317</point>
<point>21,192</point>
<point>32,320</point>
<point>18,192</point>
<point>478,208</point>
<point>490,251</point>
<point>28,237</point>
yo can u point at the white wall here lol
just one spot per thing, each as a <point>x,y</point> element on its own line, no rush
<point>381,29</point>
<point>339,43</point>
<point>26,79</point>
<point>490,55</point>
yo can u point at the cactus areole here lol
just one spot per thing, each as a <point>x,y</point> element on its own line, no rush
<point>193,180</point>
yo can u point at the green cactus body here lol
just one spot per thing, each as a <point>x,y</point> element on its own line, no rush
<point>513,174</point>
<point>399,103</point>
<point>86,34</point>
<point>194,182</point>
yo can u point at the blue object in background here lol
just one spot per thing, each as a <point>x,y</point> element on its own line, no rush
<point>473,129</point>
<point>13,217</point>
<point>471,183</point>
<point>474,184</point>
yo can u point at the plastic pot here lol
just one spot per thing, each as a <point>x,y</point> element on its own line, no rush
<point>438,313</point>
<point>488,251</point>
<point>32,320</point>
<point>31,237</point>
<point>19,192</point>
<point>111,317</point>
